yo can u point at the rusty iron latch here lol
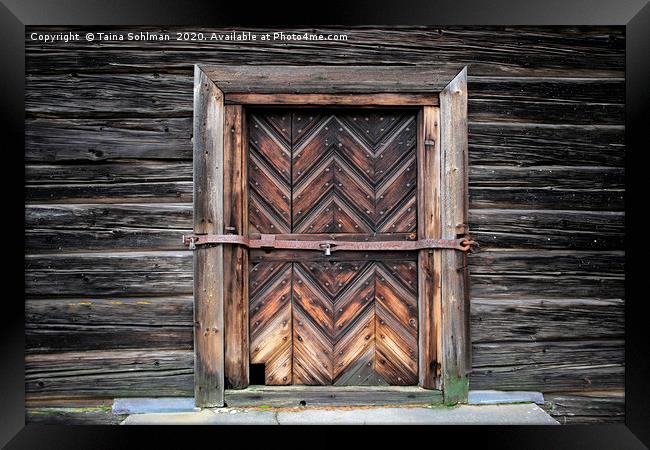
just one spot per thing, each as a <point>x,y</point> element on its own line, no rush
<point>269,242</point>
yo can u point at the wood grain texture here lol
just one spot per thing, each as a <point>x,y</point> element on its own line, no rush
<point>491,51</point>
<point>286,79</point>
<point>324,396</point>
<point>150,372</point>
<point>235,258</point>
<point>208,261</point>
<point>356,100</point>
<point>78,144</point>
<point>454,205</point>
<point>429,262</point>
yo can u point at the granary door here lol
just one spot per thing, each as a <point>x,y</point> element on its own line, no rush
<point>333,318</point>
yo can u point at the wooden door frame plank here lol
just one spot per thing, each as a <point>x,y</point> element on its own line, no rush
<point>208,260</point>
<point>456,344</point>
<point>446,303</point>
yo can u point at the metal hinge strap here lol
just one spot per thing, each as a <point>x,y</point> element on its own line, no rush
<point>269,242</point>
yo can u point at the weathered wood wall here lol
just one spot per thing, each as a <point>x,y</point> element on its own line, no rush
<point>109,193</point>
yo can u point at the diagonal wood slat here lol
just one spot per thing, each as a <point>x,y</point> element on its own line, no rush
<point>324,322</point>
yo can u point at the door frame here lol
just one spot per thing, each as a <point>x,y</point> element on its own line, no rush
<point>221,206</point>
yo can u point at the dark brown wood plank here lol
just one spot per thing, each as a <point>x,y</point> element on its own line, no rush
<point>92,227</point>
<point>93,374</point>
<point>312,99</point>
<point>454,204</point>
<point>56,140</point>
<point>88,310</point>
<point>292,396</point>
<point>544,229</point>
<point>429,262</point>
<point>208,261</point>
<point>235,258</point>
<point>552,286</point>
<point>109,274</point>
<point>550,354</point>
<point>560,376</point>
<point>129,171</point>
<point>547,197</point>
<point>54,338</point>
<point>517,144</point>
<point>548,262</point>
<point>546,319</point>
<point>153,192</point>
<point>88,94</point>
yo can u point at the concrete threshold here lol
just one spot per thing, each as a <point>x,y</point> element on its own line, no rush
<point>510,414</point>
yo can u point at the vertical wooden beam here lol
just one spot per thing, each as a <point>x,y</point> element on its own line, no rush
<point>456,361</point>
<point>235,258</point>
<point>208,260</point>
<point>429,294</point>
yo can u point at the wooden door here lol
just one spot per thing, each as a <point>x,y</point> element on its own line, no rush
<point>350,318</point>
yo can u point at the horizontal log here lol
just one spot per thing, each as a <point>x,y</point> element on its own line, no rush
<point>109,274</point>
<point>559,377</point>
<point>50,140</point>
<point>54,338</point>
<point>586,407</point>
<point>146,373</point>
<point>556,177</point>
<point>173,216</point>
<point>548,262</point>
<point>534,51</point>
<point>545,286</point>
<point>118,311</point>
<point>321,396</point>
<point>546,197</point>
<point>129,171</point>
<point>540,229</point>
<point>517,144</point>
<point>114,227</point>
<point>548,353</point>
<point>175,191</point>
<point>141,94</point>
<point>114,239</point>
<point>546,319</point>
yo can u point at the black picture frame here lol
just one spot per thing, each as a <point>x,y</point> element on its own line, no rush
<point>16,14</point>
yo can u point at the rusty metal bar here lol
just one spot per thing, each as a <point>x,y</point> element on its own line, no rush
<point>269,242</point>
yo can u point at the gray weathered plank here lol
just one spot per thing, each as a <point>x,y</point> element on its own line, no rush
<point>454,206</point>
<point>546,319</point>
<point>109,274</point>
<point>50,140</point>
<point>518,144</point>
<point>294,396</point>
<point>109,373</point>
<point>543,229</point>
<point>209,114</point>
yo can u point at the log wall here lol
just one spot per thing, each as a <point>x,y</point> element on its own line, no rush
<point>109,192</point>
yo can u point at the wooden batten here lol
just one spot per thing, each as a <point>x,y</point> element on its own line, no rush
<point>208,260</point>
<point>456,344</point>
<point>428,159</point>
<point>235,258</point>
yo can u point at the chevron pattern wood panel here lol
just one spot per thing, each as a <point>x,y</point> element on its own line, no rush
<point>322,322</point>
<point>354,172</point>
